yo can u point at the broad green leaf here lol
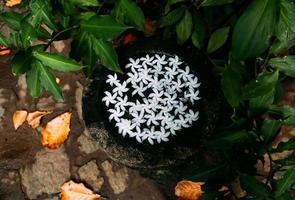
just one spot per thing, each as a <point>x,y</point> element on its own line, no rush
<point>65,21</point>
<point>68,7</point>
<point>57,62</point>
<point>27,34</point>
<point>279,46</point>
<point>199,32</point>
<point>264,83</point>
<point>12,19</point>
<point>172,17</point>
<point>127,11</point>
<point>14,39</point>
<point>254,29</point>
<point>85,2</point>
<point>286,161</point>
<point>48,81</point>
<point>84,16</point>
<point>42,33</point>
<point>285,184</point>
<point>171,3</point>
<point>286,112</point>
<point>228,139</point>
<point>270,129</point>
<point>107,54</point>
<point>33,80</point>
<point>104,26</point>
<point>231,83</point>
<point>3,41</point>
<point>21,63</point>
<point>184,27</point>
<point>259,105</point>
<point>89,59</point>
<point>41,11</point>
<point>254,187</point>
<point>215,2</point>
<point>283,146</point>
<point>217,39</point>
<point>207,173</point>
<point>286,26</point>
<point>284,64</point>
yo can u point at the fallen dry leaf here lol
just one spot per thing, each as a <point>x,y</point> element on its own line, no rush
<point>4,50</point>
<point>56,131</point>
<point>34,118</point>
<point>129,38</point>
<point>74,191</point>
<point>149,28</point>
<point>188,190</point>
<point>11,3</point>
<point>18,118</point>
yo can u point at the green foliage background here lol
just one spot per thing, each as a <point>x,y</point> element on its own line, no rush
<point>249,44</point>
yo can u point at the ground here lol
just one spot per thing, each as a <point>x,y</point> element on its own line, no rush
<point>30,171</point>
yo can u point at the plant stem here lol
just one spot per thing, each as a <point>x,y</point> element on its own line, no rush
<point>59,33</point>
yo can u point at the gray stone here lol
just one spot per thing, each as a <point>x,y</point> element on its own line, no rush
<point>87,144</point>
<point>118,179</point>
<point>10,187</point>
<point>45,176</point>
<point>91,175</point>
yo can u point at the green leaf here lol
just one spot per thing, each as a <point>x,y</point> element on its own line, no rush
<point>228,139</point>
<point>286,161</point>
<point>3,41</point>
<point>48,82</point>
<point>127,11</point>
<point>184,27</point>
<point>259,105</point>
<point>12,19</point>
<point>286,27</point>
<point>41,11</point>
<point>231,83</point>
<point>57,62</point>
<point>104,26</point>
<point>286,182</point>
<point>14,39</point>
<point>254,29</point>
<point>254,187</point>
<point>279,46</point>
<point>107,54</point>
<point>86,3</point>
<point>285,64</point>
<point>284,146</point>
<point>84,16</point>
<point>33,80</point>
<point>199,32</point>
<point>21,63</point>
<point>270,129</point>
<point>207,173</point>
<point>215,2</point>
<point>286,112</point>
<point>217,39</point>
<point>264,83</point>
<point>172,17</point>
<point>171,3</point>
<point>27,34</point>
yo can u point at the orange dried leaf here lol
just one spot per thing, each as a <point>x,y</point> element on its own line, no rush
<point>11,3</point>
<point>4,50</point>
<point>34,118</point>
<point>129,38</point>
<point>149,28</point>
<point>56,131</point>
<point>188,190</point>
<point>19,117</point>
<point>74,191</point>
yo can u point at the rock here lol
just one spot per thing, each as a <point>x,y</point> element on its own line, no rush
<point>118,179</point>
<point>87,144</point>
<point>90,174</point>
<point>45,176</point>
<point>2,101</point>
<point>10,187</point>
<point>78,96</point>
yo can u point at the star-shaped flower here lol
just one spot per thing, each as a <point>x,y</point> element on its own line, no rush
<point>122,103</point>
<point>109,98</point>
<point>125,126</point>
<point>116,114</point>
<point>147,60</point>
<point>174,61</point>
<point>192,116</point>
<point>121,88</point>
<point>133,63</point>
<point>113,80</point>
<point>138,118</point>
<point>138,89</point>
<point>192,95</point>
<point>180,108</point>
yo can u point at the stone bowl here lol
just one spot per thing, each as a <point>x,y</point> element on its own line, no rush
<point>167,154</point>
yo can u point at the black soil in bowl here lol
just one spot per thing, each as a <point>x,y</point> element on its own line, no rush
<point>179,148</point>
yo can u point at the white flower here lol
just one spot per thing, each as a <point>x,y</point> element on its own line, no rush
<point>171,99</point>
<point>134,107</point>
<point>133,78</point>
<point>162,135</point>
<point>138,89</point>
<point>115,114</point>
<point>174,61</point>
<point>113,80</point>
<point>133,63</point>
<point>144,76</point>
<point>192,116</point>
<point>121,88</point>
<point>125,127</point>
<point>192,95</point>
<point>182,122</point>
<point>156,95</point>
<point>122,103</point>
<point>147,60</point>
<point>109,98</point>
<point>152,118</point>
<point>180,108</point>
<point>160,60</point>
<point>185,74</point>
<point>193,83</point>
<point>138,118</point>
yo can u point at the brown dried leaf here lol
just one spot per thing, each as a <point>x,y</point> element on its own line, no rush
<point>56,131</point>
<point>188,190</point>
<point>74,191</point>
<point>4,50</point>
<point>11,3</point>
<point>19,117</point>
<point>34,118</point>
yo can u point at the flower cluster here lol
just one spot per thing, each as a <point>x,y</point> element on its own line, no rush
<point>155,99</point>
